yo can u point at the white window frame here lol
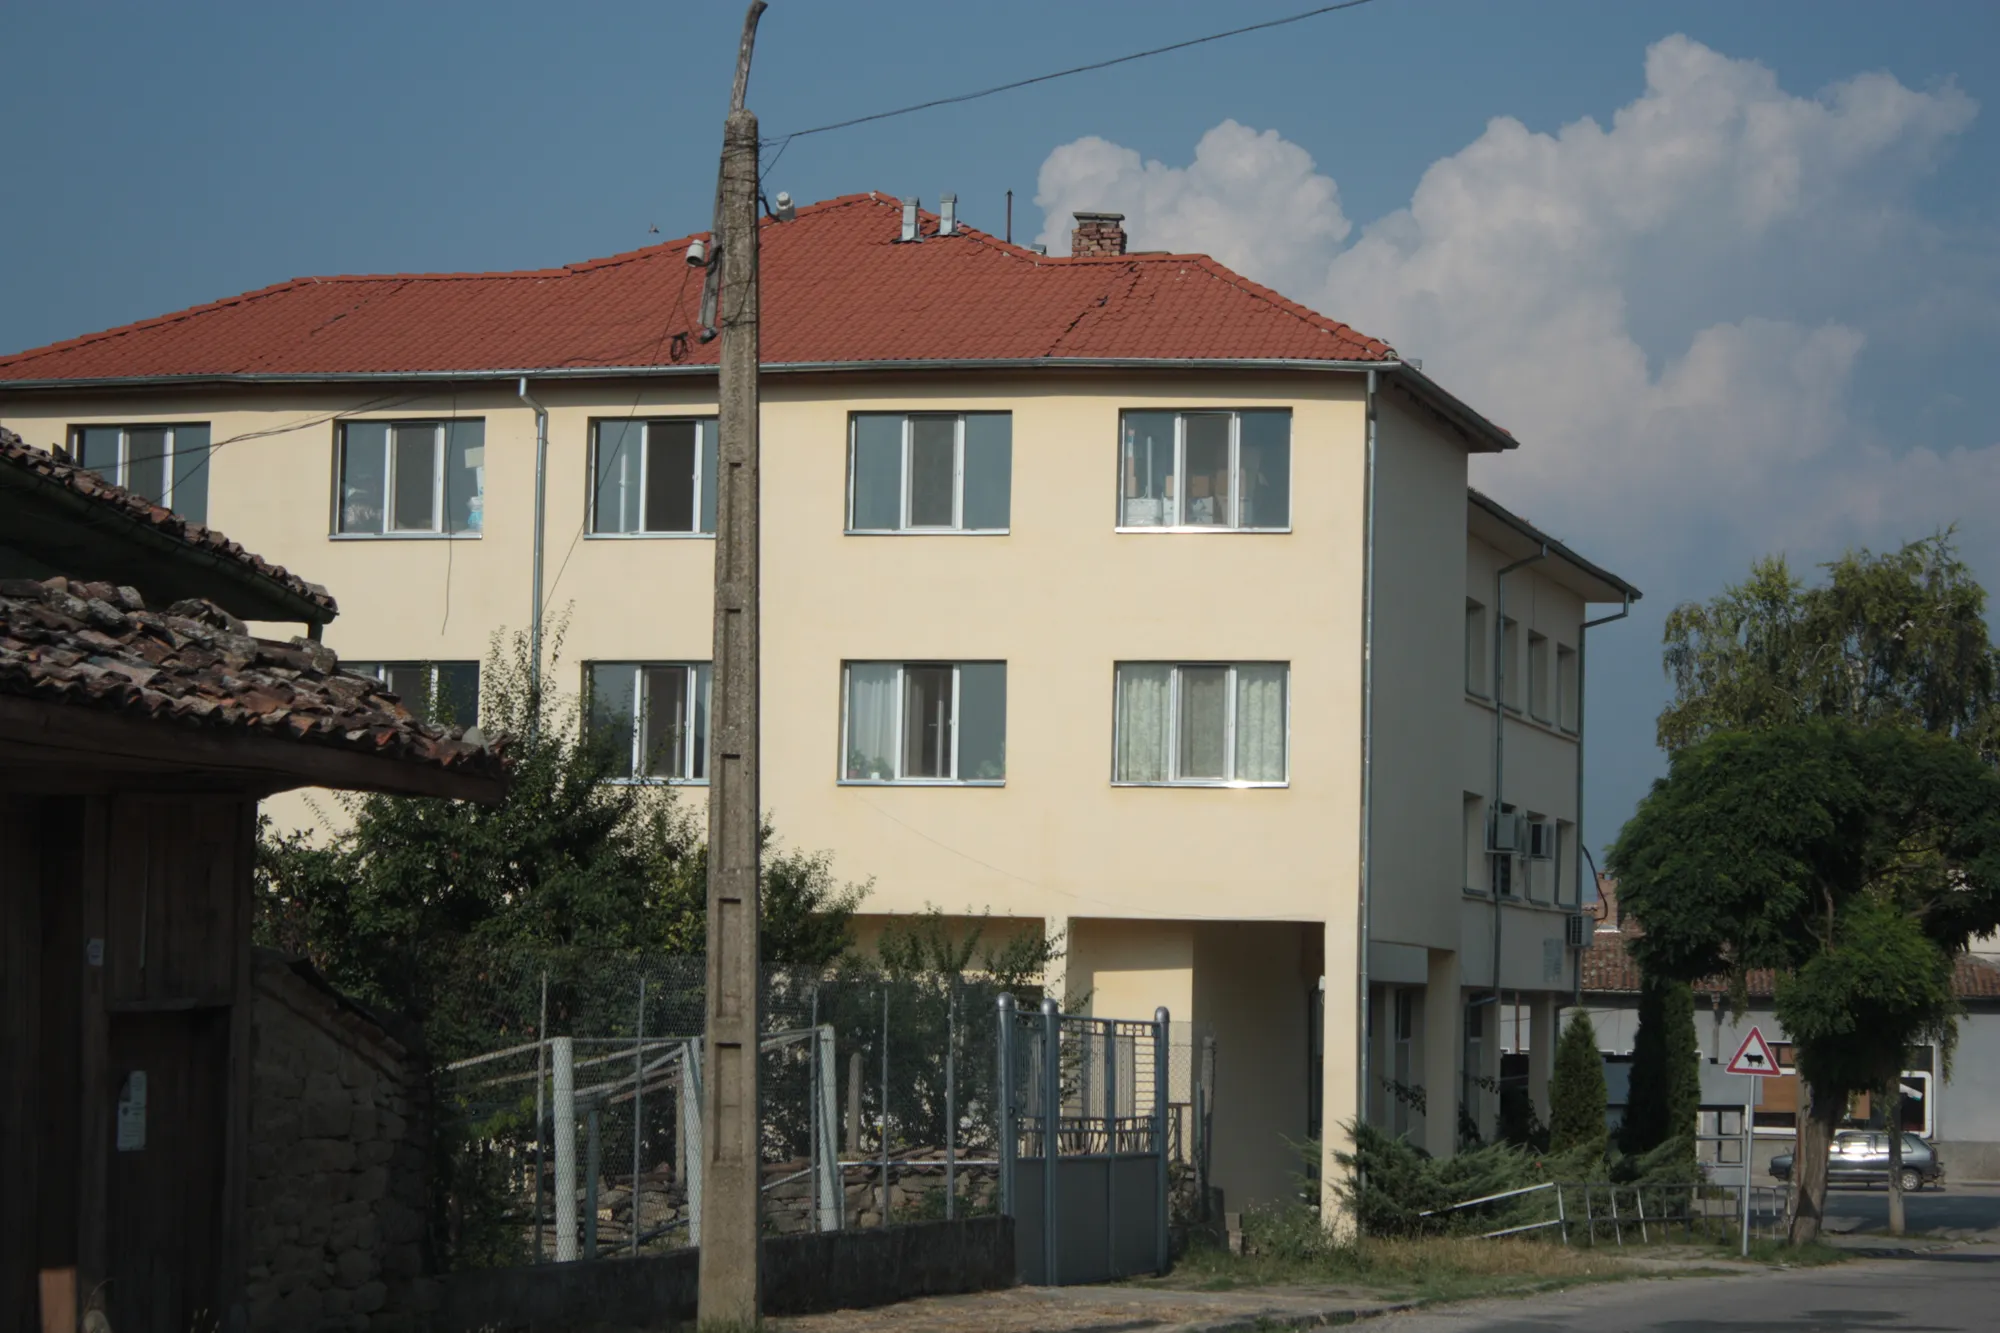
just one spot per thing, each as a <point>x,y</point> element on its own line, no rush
<point>1173,778</point>
<point>904,527</point>
<point>439,461</point>
<point>638,756</point>
<point>896,746</point>
<point>701,481</point>
<point>123,466</point>
<point>378,670</point>
<point>1181,414</point>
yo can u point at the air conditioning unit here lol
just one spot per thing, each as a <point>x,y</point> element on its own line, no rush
<point>1542,840</point>
<point>1507,833</point>
<point>1578,930</point>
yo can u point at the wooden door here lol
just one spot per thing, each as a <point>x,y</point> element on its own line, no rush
<point>163,1231</point>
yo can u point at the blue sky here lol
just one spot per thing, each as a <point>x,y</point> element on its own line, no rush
<point>1730,271</point>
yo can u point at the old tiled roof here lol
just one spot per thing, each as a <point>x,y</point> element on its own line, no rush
<point>838,288</point>
<point>1610,969</point>
<point>16,453</point>
<point>193,665</point>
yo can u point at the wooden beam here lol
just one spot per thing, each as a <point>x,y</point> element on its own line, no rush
<point>94,1085</point>
<point>112,740</point>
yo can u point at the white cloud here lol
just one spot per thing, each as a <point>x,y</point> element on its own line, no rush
<point>1671,312</point>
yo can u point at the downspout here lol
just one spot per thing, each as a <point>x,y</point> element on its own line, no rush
<point>541,507</point>
<point>1582,662</point>
<point>1367,753</point>
<point>1499,776</point>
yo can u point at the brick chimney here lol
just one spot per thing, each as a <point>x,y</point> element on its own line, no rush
<point>1098,234</point>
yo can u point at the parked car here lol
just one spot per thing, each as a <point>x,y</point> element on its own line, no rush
<point>1861,1157</point>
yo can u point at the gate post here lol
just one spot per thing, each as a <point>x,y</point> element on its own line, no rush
<point>563,1052</point>
<point>1051,1130</point>
<point>1009,1132</point>
<point>1162,1055</point>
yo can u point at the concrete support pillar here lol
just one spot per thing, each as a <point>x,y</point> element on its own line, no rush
<point>1055,973</point>
<point>1541,1049</point>
<point>1340,1065</point>
<point>1443,1013</point>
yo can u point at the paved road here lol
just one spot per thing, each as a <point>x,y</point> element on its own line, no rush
<point>1956,1291</point>
<point>1972,1207</point>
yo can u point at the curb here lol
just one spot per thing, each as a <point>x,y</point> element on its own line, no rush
<point>1314,1319</point>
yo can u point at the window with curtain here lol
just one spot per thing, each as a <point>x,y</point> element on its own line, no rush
<point>441,692</point>
<point>1201,724</point>
<point>653,478</point>
<point>924,722</point>
<point>411,478</point>
<point>1205,469</point>
<point>651,718</point>
<point>930,471</point>
<point>167,464</point>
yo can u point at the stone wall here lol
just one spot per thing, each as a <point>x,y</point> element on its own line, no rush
<point>337,1186</point>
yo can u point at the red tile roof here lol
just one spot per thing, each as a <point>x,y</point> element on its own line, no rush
<point>837,288</point>
<point>1610,969</point>
<point>91,645</point>
<point>30,461</point>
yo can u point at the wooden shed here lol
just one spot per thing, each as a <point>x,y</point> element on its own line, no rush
<point>135,744</point>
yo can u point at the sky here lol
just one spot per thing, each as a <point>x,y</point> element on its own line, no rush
<point>1730,272</point>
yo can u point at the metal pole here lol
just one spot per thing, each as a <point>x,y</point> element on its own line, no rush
<point>1162,1055</point>
<point>563,1051</point>
<point>1110,1145</point>
<point>1009,1142</point>
<point>854,1104</point>
<point>951,1100</point>
<point>1051,1130</point>
<point>884,1220</point>
<point>728,1276</point>
<point>541,1108</point>
<point>1749,1146</point>
<point>593,1162</point>
<point>638,1105</point>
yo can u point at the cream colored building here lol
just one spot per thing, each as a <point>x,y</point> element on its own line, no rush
<point>1113,596</point>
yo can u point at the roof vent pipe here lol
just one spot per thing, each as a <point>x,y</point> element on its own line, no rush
<point>948,215</point>
<point>910,220</point>
<point>786,211</point>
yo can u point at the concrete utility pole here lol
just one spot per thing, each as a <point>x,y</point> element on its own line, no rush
<point>729,1203</point>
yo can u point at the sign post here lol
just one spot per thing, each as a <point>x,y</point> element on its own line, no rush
<point>1753,1060</point>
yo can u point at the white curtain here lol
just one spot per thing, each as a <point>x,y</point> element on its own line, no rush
<point>1260,723</point>
<point>871,723</point>
<point>1143,692</point>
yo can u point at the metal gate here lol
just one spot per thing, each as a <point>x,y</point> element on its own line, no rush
<point>1083,1143</point>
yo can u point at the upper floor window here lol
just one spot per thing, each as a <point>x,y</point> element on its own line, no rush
<point>651,478</point>
<point>924,722</point>
<point>1205,470</point>
<point>1539,679</point>
<point>442,692</point>
<point>411,478</point>
<point>1204,724</point>
<point>1569,684</point>
<point>652,718</point>
<point>1510,663</point>
<point>166,464</point>
<point>930,472</point>
<point>1475,648</point>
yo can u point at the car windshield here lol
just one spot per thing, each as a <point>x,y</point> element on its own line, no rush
<point>1914,1142</point>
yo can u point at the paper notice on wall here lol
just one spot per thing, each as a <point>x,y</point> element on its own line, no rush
<point>132,1112</point>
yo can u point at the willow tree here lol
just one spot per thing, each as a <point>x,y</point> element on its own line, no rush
<point>1857,863</point>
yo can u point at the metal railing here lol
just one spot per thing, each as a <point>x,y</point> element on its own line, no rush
<point>1585,1212</point>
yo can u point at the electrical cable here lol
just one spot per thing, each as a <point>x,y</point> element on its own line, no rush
<point>783,140</point>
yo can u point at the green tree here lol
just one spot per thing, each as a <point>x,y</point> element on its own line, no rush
<point>1896,638</point>
<point>1664,1101</point>
<point>1576,1092</point>
<point>1856,862</point>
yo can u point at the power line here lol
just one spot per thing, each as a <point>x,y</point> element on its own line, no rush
<point>784,140</point>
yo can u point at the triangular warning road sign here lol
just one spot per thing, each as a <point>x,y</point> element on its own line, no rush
<point>1754,1057</point>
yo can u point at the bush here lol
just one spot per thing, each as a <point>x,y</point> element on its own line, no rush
<point>1576,1093</point>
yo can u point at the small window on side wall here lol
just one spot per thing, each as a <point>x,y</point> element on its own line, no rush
<point>411,478</point>
<point>930,472</point>
<point>924,722</point>
<point>1209,469</point>
<point>651,718</point>
<point>167,464</point>
<point>653,478</point>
